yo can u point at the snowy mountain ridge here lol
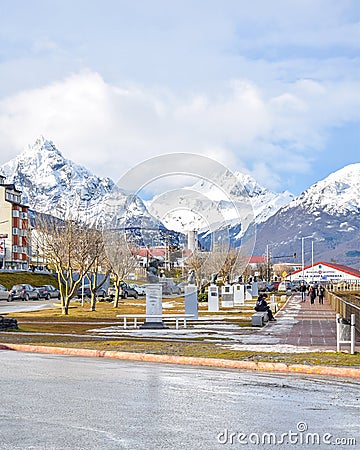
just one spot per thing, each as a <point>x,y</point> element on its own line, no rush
<point>329,210</point>
<point>207,197</point>
<point>54,185</point>
<point>338,193</point>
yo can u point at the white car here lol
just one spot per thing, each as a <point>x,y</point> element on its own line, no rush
<point>4,293</point>
<point>139,289</point>
<point>284,286</point>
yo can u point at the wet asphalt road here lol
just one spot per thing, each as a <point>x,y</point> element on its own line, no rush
<point>20,306</point>
<point>56,402</point>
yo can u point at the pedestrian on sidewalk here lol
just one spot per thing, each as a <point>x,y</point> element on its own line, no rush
<point>261,305</point>
<point>321,293</point>
<point>312,294</point>
<point>316,287</point>
<point>302,290</point>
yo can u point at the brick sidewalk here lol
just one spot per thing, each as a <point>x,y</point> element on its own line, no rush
<point>307,325</point>
<point>316,325</point>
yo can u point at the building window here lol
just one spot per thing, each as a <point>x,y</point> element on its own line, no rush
<point>16,231</point>
<point>16,213</point>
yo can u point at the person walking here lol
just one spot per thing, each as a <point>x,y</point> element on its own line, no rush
<point>302,290</point>
<point>321,293</point>
<point>316,287</point>
<point>312,294</point>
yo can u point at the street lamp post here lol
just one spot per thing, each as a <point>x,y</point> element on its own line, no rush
<point>268,262</point>
<point>302,254</point>
<point>312,261</point>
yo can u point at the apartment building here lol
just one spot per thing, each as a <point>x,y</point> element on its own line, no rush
<point>14,228</point>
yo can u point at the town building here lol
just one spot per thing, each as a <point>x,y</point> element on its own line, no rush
<point>324,271</point>
<point>14,228</point>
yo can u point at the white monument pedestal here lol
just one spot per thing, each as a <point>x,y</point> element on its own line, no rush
<point>248,294</point>
<point>153,307</point>
<point>227,296</point>
<point>191,301</point>
<point>239,294</point>
<point>255,289</point>
<point>213,298</point>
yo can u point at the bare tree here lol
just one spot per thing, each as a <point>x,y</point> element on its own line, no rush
<point>122,259</point>
<point>97,254</point>
<point>196,263</point>
<point>65,245</point>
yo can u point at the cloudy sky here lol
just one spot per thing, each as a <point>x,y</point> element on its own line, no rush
<point>271,88</point>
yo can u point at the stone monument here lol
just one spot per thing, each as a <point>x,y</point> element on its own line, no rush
<point>153,307</point>
<point>227,296</point>
<point>213,298</point>
<point>239,294</point>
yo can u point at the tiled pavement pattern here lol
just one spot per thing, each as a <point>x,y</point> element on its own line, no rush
<point>313,325</point>
<point>299,326</point>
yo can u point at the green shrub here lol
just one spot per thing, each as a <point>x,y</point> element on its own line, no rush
<point>203,297</point>
<point>9,279</point>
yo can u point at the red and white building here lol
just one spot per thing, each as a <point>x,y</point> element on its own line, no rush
<point>323,271</point>
<point>14,228</point>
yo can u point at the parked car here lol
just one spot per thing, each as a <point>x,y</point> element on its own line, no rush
<point>48,291</point>
<point>265,286</point>
<point>284,286</point>
<point>295,285</point>
<point>4,293</point>
<point>111,291</point>
<point>276,285</point>
<point>24,292</point>
<point>125,291</point>
<point>182,285</point>
<point>86,291</point>
<point>169,287</point>
<point>141,290</point>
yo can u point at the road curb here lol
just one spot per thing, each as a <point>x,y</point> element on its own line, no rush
<point>188,360</point>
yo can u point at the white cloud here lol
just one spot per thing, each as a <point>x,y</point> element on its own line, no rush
<point>109,128</point>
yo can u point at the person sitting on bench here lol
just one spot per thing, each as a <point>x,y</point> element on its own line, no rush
<point>261,305</point>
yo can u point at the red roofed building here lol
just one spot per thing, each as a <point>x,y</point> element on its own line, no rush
<point>155,252</point>
<point>323,271</point>
<point>257,260</point>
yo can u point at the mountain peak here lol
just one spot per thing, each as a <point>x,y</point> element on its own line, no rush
<point>338,193</point>
<point>42,149</point>
<point>53,184</point>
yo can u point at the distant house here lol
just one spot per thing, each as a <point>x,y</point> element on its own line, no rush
<point>323,271</point>
<point>254,260</point>
<point>14,228</point>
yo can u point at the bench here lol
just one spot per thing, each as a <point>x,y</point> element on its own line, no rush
<point>258,319</point>
<point>135,318</point>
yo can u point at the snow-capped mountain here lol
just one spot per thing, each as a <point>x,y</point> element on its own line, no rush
<point>57,186</point>
<point>264,202</point>
<point>328,212</point>
<point>336,194</point>
<point>204,204</point>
